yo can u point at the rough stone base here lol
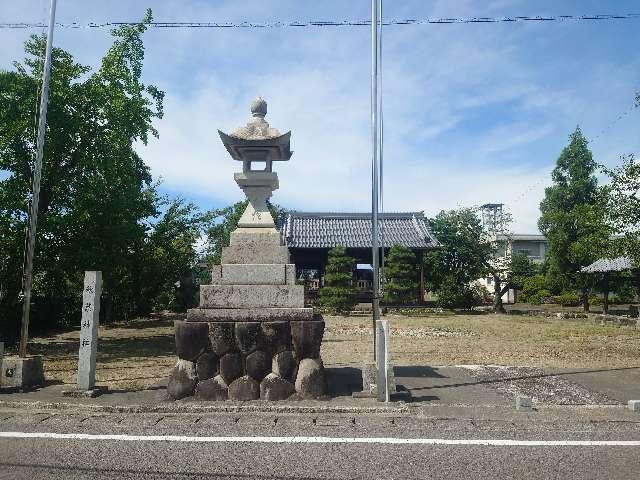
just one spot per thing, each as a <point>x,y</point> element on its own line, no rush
<point>249,314</point>
<point>212,389</point>
<point>183,380</point>
<point>370,380</point>
<point>274,387</point>
<point>22,373</point>
<point>244,389</point>
<point>269,360</point>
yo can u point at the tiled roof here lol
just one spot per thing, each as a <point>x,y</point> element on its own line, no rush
<point>609,265</point>
<point>353,230</point>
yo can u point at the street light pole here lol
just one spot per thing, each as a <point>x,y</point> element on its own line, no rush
<point>27,279</point>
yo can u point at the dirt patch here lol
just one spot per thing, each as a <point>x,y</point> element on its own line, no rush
<point>400,333</point>
<point>131,356</point>
<point>487,339</point>
<point>138,354</point>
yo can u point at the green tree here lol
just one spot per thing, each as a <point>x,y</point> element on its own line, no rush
<point>498,263</point>
<point>623,210</point>
<point>221,222</point>
<point>96,193</point>
<point>338,293</point>
<point>401,276</point>
<point>573,218</point>
<point>463,257</point>
<point>170,259</point>
<point>509,275</point>
<point>520,268</point>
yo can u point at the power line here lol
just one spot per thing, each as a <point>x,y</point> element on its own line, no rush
<point>616,120</point>
<point>335,23</point>
<point>541,180</point>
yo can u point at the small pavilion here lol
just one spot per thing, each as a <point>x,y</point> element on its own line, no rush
<point>607,267</point>
<point>310,236</point>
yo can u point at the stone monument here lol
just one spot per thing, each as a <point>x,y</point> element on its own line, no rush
<point>251,337</point>
<point>89,330</point>
<point>87,354</point>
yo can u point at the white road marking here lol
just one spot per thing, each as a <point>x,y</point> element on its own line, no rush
<point>376,440</point>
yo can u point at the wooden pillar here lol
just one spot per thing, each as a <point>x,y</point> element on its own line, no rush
<point>605,281</point>
<point>421,296</point>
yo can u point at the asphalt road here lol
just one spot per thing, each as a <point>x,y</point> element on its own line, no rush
<point>146,456</point>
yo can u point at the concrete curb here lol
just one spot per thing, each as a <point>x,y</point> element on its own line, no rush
<point>219,408</point>
<point>228,407</point>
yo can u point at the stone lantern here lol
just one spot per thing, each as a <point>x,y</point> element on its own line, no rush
<point>257,143</point>
<point>251,337</point>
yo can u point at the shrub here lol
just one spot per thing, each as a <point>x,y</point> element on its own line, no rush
<point>540,297</point>
<point>453,295</point>
<point>568,299</point>
<point>625,294</point>
<point>338,294</point>
<point>532,289</point>
<point>595,300</point>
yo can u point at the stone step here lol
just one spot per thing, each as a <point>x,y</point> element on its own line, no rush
<point>254,274</point>
<point>249,314</point>
<point>251,296</point>
<point>264,236</point>
<point>252,252</point>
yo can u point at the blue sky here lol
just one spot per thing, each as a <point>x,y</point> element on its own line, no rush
<point>474,113</point>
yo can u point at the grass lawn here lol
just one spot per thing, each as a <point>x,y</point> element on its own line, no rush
<point>138,354</point>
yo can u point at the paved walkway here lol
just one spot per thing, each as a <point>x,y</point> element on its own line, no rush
<point>498,385</point>
<point>438,386</point>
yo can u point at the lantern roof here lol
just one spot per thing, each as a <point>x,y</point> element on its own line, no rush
<point>257,141</point>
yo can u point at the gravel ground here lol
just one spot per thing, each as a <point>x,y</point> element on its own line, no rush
<point>535,383</point>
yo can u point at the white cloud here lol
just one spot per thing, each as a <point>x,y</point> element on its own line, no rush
<point>473,113</point>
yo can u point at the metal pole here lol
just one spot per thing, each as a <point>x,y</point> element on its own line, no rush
<point>374,170</point>
<point>381,151</point>
<point>27,278</point>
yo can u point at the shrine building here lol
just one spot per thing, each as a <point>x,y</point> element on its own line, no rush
<point>310,236</point>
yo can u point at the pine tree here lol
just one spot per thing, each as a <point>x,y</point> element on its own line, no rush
<point>401,286</point>
<point>572,217</point>
<point>338,294</point>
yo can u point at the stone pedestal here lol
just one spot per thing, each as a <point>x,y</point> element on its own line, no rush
<point>20,373</point>
<point>251,330</point>
<point>251,337</point>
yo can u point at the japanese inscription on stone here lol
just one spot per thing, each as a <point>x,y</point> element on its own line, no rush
<point>1,355</point>
<point>89,330</point>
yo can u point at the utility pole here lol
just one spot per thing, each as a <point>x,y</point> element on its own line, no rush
<point>381,153</point>
<point>375,190</point>
<point>380,328</point>
<point>27,278</point>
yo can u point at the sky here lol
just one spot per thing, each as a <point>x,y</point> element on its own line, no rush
<point>473,113</point>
